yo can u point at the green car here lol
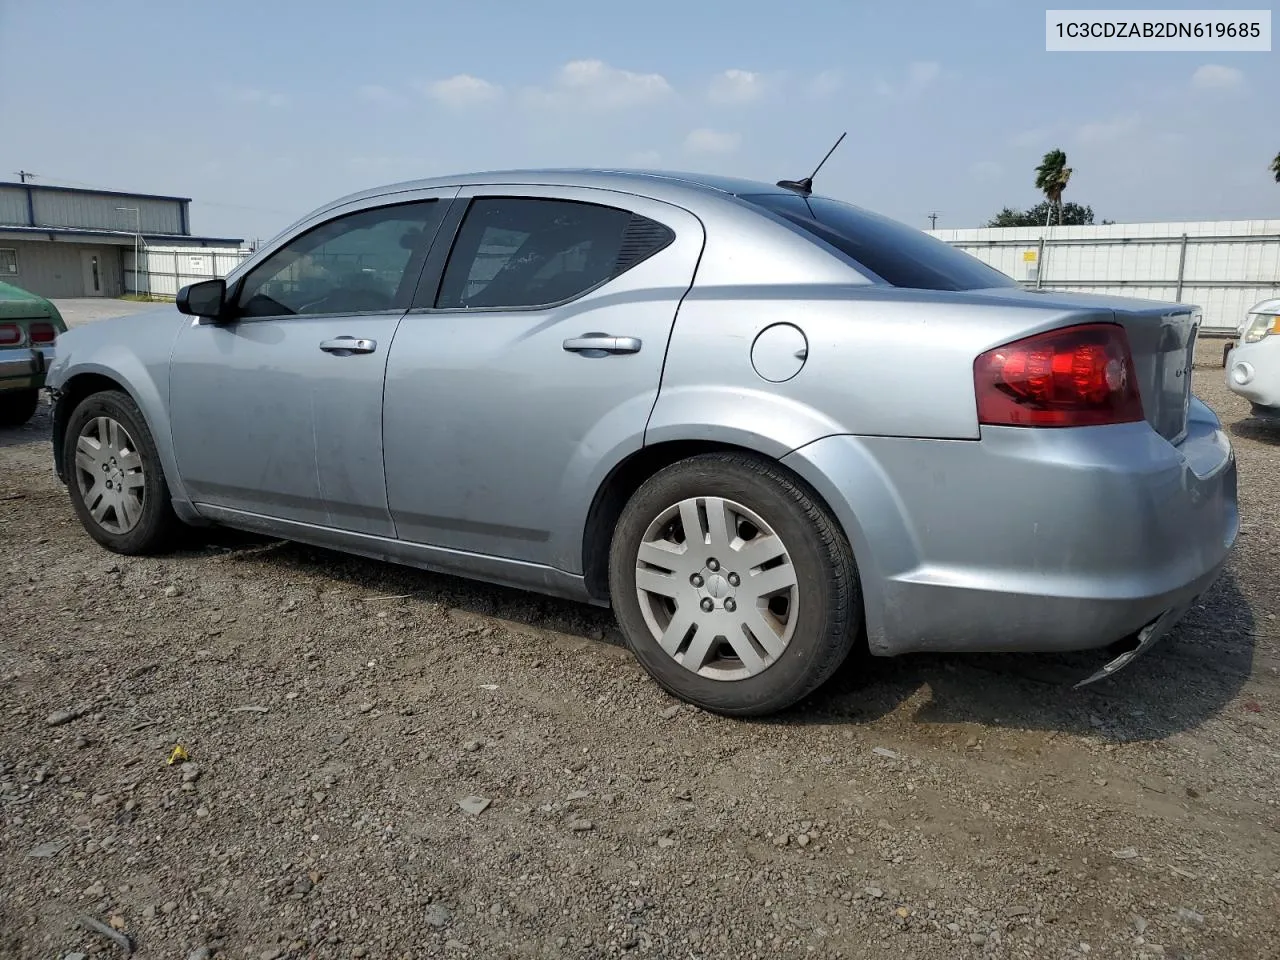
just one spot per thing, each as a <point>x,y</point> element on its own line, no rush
<point>29,327</point>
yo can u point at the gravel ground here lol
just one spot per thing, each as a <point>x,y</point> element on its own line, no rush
<point>390,764</point>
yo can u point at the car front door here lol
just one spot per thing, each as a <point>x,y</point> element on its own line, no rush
<point>277,412</point>
<point>535,360</point>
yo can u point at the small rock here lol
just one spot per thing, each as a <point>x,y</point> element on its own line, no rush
<point>366,707</point>
<point>1128,853</point>
<point>665,842</point>
<point>200,953</point>
<point>338,738</point>
<point>173,590</point>
<point>60,717</point>
<point>1139,925</point>
<point>271,953</point>
<point>875,893</point>
<point>360,952</point>
<point>670,711</point>
<point>885,752</point>
<point>190,772</point>
<point>75,956</point>
<point>561,942</point>
<point>803,839</point>
<point>581,826</point>
<point>436,915</point>
<point>474,805</point>
<point>1016,911</point>
<point>578,795</point>
<point>471,746</point>
<point>971,743</point>
<point>98,799</point>
<point>202,811</point>
<point>1193,793</point>
<point>169,907</point>
<point>81,742</point>
<point>1155,949</point>
<point>94,891</point>
<point>781,840</point>
<point>47,849</point>
<point>978,939</point>
<point>1187,915</point>
<point>149,911</point>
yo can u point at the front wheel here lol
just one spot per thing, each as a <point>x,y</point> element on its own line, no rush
<point>114,475</point>
<point>734,587</point>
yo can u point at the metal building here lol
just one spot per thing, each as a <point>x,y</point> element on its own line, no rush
<point>68,242</point>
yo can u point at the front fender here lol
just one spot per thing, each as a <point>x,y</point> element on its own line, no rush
<point>132,352</point>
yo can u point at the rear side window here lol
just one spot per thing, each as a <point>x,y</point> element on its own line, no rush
<point>521,252</point>
<point>891,250</point>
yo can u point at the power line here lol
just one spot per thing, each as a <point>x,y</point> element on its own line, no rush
<point>67,181</point>
<point>24,174</point>
<point>933,220</point>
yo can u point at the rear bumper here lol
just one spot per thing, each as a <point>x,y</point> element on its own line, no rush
<point>1253,372</point>
<point>1029,540</point>
<point>23,368</point>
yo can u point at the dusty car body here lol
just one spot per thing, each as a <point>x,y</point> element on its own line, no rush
<point>29,329</point>
<point>764,425</point>
<point>1253,365</point>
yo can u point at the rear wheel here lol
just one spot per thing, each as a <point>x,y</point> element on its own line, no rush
<point>17,407</point>
<point>116,483</point>
<point>734,587</point>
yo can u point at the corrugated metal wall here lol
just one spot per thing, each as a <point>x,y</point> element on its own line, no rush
<point>13,205</point>
<point>165,270</point>
<point>56,208</point>
<point>57,269</point>
<point>1223,266</point>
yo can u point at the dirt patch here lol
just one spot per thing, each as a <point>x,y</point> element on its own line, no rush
<point>340,716</point>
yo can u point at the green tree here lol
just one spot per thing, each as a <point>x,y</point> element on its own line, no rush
<point>1070,215</point>
<point>1052,177</point>
<point>1275,167</point>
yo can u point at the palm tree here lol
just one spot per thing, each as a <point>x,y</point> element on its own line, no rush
<point>1275,167</point>
<point>1052,177</point>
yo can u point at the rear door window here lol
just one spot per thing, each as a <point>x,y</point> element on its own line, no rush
<point>526,252</point>
<point>898,254</point>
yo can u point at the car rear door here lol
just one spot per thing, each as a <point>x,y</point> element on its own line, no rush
<point>533,365</point>
<point>278,413</point>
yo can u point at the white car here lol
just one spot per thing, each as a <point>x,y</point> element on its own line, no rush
<point>1253,367</point>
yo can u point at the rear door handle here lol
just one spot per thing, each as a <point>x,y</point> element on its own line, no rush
<point>601,343</point>
<point>345,346</point>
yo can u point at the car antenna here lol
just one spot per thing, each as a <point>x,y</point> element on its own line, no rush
<point>805,186</point>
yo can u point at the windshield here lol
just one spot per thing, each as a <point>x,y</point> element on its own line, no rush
<point>898,254</point>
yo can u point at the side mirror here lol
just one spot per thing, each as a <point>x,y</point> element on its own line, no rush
<point>205,299</point>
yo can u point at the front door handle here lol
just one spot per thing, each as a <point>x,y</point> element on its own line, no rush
<point>345,346</point>
<point>600,344</point>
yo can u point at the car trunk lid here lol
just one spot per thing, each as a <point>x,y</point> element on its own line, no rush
<point>1162,338</point>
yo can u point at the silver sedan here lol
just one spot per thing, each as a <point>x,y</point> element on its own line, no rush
<point>764,425</point>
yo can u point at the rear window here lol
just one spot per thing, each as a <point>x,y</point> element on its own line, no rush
<point>896,253</point>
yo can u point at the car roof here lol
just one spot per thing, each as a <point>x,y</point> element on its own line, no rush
<point>659,184</point>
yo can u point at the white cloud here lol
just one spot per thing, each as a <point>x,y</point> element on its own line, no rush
<point>264,98</point>
<point>704,140</point>
<point>920,76</point>
<point>374,93</point>
<point>736,86</point>
<point>594,84</point>
<point>461,90</point>
<point>825,84</point>
<point>644,158</point>
<point>1106,131</point>
<point>986,170</point>
<point>1213,76</point>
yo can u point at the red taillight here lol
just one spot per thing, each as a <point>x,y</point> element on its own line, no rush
<point>43,333</point>
<point>10,333</point>
<point>1074,377</point>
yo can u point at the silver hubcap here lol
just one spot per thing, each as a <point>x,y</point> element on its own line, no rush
<point>717,588</point>
<point>109,475</point>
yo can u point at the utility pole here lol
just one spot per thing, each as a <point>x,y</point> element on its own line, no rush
<point>933,220</point>
<point>24,174</point>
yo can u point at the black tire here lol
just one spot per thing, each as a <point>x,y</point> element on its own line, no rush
<point>829,618</point>
<point>18,406</point>
<point>158,525</point>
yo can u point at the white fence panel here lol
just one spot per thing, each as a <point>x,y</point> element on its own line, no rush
<point>1222,266</point>
<point>166,270</point>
